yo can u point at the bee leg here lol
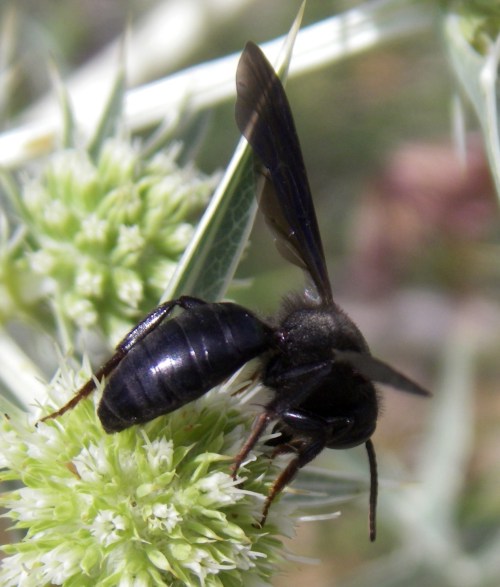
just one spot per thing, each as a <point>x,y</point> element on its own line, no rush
<point>156,317</point>
<point>308,450</point>
<point>317,431</point>
<point>148,324</point>
<point>302,421</point>
<point>88,388</point>
<point>335,428</point>
<point>305,380</point>
<point>296,384</point>
<point>258,428</point>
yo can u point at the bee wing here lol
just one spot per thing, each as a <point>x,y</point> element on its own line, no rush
<point>381,372</point>
<point>264,118</point>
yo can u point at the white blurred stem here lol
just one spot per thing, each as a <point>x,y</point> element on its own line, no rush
<point>478,75</point>
<point>205,85</point>
<point>19,375</point>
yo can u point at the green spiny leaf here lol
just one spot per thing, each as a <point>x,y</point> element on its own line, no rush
<point>209,262</point>
<point>111,114</point>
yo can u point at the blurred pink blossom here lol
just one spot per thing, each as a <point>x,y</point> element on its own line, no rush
<point>424,195</point>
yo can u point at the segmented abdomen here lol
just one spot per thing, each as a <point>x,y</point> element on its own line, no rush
<point>180,360</point>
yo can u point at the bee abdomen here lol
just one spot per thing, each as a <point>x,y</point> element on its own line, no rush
<point>179,361</point>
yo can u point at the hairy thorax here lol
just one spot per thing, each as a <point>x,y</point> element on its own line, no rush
<point>310,332</point>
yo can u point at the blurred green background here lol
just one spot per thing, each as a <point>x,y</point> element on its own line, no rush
<point>411,238</point>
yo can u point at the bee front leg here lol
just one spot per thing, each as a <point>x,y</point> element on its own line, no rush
<point>299,383</point>
<point>306,452</point>
<point>147,325</point>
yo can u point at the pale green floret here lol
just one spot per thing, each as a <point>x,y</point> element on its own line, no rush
<point>153,505</point>
<point>101,238</point>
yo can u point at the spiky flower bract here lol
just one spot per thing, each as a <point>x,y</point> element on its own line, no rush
<point>480,22</point>
<point>152,505</point>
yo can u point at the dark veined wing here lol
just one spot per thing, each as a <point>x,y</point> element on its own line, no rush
<point>264,118</point>
<point>380,372</point>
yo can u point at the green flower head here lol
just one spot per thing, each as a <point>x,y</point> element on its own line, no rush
<point>102,237</point>
<point>152,505</point>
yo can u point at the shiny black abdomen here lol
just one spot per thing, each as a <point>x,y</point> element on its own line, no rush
<point>179,361</point>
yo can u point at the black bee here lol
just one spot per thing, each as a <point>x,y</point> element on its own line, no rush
<point>314,358</point>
